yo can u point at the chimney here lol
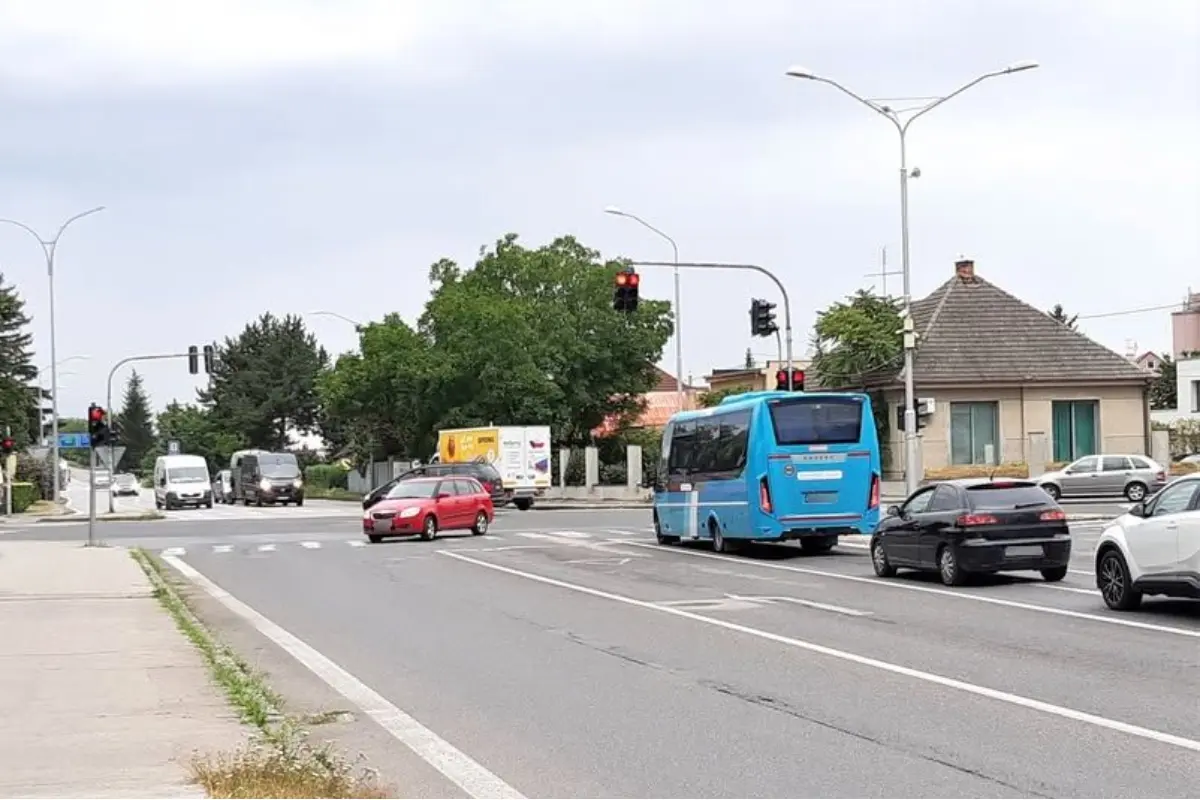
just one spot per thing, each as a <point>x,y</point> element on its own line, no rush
<point>964,268</point>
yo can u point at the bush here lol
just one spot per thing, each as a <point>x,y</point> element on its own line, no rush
<point>24,495</point>
<point>1010,470</point>
<point>325,476</point>
<point>37,472</point>
<point>1184,469</point>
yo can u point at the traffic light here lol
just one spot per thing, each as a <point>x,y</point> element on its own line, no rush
<point>209,357</point>
<point>97,424</point>
<point>7,446</point>
<point>781,381</point>
<point>194,360</point>
<point>762,318</point>
<point>625,291</point>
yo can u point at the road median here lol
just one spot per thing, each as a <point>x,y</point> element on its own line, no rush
<point>132,516</point>
<point>279,761</point>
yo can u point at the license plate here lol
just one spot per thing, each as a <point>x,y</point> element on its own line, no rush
<point>1023,552</point>
<point>820,497</point>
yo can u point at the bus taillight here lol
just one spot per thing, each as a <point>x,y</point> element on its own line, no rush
<point>874,501</point>
<point>764,496</point>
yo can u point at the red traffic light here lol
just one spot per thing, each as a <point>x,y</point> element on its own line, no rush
<point>7,445</point>
<point>634,278</point>
<point>96,414</point>
<point>781,377</point>
<point>622,278</point>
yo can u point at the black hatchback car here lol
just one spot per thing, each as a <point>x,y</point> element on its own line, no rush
<point>961,527</point>
<point>485,473</point>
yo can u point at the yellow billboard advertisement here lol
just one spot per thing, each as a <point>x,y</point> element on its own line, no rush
<point>469,445</point>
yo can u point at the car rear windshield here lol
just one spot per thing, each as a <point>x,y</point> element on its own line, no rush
<point>1001,497</point>
<point>817,420</point>
<point>487,472</point>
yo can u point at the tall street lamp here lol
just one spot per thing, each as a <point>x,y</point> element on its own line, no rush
<point>41,370</point>
<point>902,119</point>
<point>49,246</point>
<point>358,326</point>
<point>616,212</point>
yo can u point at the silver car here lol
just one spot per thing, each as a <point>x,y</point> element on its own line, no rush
<point>1133,476</point>
<point>124,483</point>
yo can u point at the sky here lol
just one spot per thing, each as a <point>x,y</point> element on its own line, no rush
<point>295,156</point>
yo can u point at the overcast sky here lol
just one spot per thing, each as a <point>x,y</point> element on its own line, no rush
<point>296,156</point>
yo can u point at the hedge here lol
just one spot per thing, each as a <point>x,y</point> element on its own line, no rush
<point>325,476</point>
<point>1018,470</point>
<point>24,495</point>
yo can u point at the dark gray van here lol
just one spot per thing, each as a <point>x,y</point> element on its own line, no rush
<point>270,478</point>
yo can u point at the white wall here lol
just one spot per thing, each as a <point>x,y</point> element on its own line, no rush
<point>1187,373</point>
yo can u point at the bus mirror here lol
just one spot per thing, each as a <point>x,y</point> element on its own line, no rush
<point>893,511</point>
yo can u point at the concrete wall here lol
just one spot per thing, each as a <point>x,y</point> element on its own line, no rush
<point>1025,432</point>
<point>1187,375</point>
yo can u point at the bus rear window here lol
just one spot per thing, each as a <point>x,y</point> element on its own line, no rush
<point>815,420</point>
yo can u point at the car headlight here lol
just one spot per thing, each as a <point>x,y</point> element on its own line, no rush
<point>409,512</point>
<point>298,483</point>
<point>265,485</point>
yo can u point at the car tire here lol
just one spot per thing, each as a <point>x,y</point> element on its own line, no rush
<point>1136,492</point>
<point>523,504</point>
<point>209,504</point>
<point>1054,574</point>
<point>879,560</point>
<point>374,538</point>
<point>480,527</point>
<point>429,529</point>
<point>949,568</point>
<point>1053,491</point>
<point>1112,579</point>
<point>300,502</point>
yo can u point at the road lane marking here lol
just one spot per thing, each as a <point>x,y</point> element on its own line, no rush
<point>266,548</point>
<point>222,548</point>
<point>311,545</point>
<point>885,666</point>
<point>356,543</point>
<point>908,587</point>
<point>850,612</point>
<point>174,552</point>
<point>461,769</point>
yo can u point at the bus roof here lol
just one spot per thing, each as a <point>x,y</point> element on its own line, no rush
<point>750,399</point>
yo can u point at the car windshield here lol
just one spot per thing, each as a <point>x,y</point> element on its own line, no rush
<point>187,475</point>
<point>997,497</point>
<point>279,465</point>
<point>411,490</point>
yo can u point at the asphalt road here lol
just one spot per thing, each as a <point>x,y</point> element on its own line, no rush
<point>569,655</point>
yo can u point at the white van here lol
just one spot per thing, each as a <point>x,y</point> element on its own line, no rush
<point>182,481</point>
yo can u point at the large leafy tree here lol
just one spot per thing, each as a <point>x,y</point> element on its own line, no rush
<point>1163,390</point>
<point>529,336</point>
<point>197,432</point>
<point>263,385</point>
<point>1057,313</point>
<point>136,421</point>
<point>855,339</point>
<point>373,402</point>
<point>18,401</point>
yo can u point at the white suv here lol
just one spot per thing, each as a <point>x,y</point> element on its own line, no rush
<point>1153,549</point>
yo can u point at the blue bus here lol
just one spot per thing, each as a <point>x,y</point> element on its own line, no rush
<point>770,466</point>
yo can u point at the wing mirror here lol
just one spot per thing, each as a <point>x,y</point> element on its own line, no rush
<point>893,511</point>
<point>1138,510</point>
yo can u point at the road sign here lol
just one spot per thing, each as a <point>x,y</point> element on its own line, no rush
<point>39,452</point>
<point>74,441</point>
<point>104,453</point>
<point>173,448</point>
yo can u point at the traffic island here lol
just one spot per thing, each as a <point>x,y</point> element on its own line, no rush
<point>279,761</point>
<point>129,516</point>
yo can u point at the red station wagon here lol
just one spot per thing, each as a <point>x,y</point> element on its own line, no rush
<point>425,506</point>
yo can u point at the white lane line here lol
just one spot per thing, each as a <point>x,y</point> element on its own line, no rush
<point>850,612</point>
<point>266,548</point>
<point>1075,589</point>
<point>623,532</point>
<point>174,552</point>
<point>311,545</point>
<point>908,587</point>
<point>222,548</point>
<point>356,543</point>
<point>461,769</point>
<point>885,666</point>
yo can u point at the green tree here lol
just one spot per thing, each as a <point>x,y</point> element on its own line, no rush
<point>855,339</point>
<point>529,336</point>
<point>710,399</point>
<point>1059,314</point>
<point>373,402</point>
<point>136,421</point>
<point>1164,387</point>
<point>18,400</point>
<point>263,384</point>
<point>197,433</point>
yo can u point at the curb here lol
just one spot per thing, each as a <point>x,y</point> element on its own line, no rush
<point>77,518</point>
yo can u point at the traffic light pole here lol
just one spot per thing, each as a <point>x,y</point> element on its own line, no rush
<point>91,542</point>
<point>8,478</point>
<point>787,304</point>
<point>112,443</point>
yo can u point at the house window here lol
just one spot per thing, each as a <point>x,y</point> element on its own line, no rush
<point>1074,428</point>
<point>1195,395</point>
<point>974,433</point>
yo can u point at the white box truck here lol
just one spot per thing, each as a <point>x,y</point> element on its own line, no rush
<point>520,453</point>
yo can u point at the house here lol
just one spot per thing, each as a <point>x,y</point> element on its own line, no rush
<point>750,379</point>
<point>1150,361</point>
<point>1009,383</point>
<point>661,402</point>
<point>1187,392</point>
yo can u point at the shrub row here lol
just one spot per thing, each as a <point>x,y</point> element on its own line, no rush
<point>1018,470</point>
<point>326,476</point>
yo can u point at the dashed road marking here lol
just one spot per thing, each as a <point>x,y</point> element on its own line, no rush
<point>311,545</point>
<point>266,548</point>
<point>174,551</point>
<point>222,548</point>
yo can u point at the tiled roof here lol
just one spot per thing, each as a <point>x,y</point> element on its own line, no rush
<point>667,382</point>
<point>972,331</point>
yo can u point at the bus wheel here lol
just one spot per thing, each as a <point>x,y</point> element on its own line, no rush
<point>718,539</point>
<point>663,538</point>
<point>818,545</point>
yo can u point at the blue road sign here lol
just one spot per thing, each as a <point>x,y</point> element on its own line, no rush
<point>74,441</point>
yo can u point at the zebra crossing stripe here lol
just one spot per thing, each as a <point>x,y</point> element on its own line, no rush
<point>222,548</point>
<point>311,545</point>
<point>266,548</point>
<point>356,543</point>
<point>174,551</point>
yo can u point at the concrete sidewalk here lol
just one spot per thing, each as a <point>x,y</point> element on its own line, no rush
<point>100,694</point>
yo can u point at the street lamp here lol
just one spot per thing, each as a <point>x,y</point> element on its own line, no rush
<point>49,247</point>
<point>902,119</point>
<point>616,212</point>
<point>358,326</point>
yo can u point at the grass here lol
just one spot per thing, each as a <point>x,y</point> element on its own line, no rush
<point>279,761</point>
<point>321,493</point>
